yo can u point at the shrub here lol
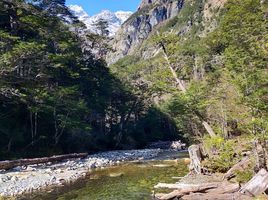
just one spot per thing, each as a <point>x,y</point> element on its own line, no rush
<point>244,176</point>
<point>224,155</point>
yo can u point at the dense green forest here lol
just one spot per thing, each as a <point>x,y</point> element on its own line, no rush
<point>57,97</point>
<point>211,80</point>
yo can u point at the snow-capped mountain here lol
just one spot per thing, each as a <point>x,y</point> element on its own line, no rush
<point>115,20</point>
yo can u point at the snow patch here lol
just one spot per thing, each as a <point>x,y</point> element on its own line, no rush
<point>115,20</point>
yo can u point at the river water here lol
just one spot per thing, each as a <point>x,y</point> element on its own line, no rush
<point>130,181</point>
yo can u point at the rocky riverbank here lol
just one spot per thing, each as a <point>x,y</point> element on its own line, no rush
<point>27,179</point>
<point>202,184</point>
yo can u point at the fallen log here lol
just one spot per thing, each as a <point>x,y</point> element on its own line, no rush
<point>181,186</point>
<point>187,190</point>
<point>225,188</point>
<point>213,196</point>
<point>9,164</point>
<point>257,185</point>
<point>240,166</point>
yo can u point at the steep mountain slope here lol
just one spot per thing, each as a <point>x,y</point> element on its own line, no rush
<point>198,66</point>
<point>153,14</point>
<point>115,20</point>
<point>137,28</point>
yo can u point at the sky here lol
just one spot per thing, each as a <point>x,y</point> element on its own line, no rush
<point>93,7</point>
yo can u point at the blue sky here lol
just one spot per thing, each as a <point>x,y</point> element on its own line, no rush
<point>95,6</point>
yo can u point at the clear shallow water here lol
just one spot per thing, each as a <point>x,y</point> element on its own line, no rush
<point>130,181</point>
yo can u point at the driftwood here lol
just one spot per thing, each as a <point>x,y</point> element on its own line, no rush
<point>214,196</point>
<point>225,188</point>
<point>195,157</point>
<point>15,163</point>
<point>257,185</point>
<point>211,191</point>
<point>188,190</point>
<point>182,186</point>
<point>240,166</point>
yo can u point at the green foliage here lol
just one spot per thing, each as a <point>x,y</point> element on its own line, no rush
<point>52,91</point>
<point>226,155</point>
<point>101,27</point>
<point>56,97</point>
<point>245,53</point>
<point>244,176</point>
<point>213,143</point>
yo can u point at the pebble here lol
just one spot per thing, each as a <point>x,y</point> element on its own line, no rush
<point>4,178</point>
<point>53,179</point>
<point>29,168</point>
<point>36,177</point>
<point>14,178</point>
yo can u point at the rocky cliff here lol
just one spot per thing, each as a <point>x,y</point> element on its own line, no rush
<point>138,27</point>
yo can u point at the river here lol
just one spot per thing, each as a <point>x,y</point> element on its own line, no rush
<point>128,181</point>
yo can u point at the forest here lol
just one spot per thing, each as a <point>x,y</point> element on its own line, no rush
<point>57,96</point>
<point>199,76</point>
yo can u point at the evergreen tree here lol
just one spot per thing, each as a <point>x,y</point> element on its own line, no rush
<point>101,27</point>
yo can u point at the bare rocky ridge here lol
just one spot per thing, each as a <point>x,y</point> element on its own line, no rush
<point>138,27</point>
<point>150,16</point>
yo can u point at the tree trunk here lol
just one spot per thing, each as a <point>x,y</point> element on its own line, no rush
<point>15,163</point>
<point>260,155</point>
<point>9,145</point>
<point>123,122</point>
<point>13,17</point>
<point>183,89</point>
<point>196,158</point>
<point>55,125</point>
<point>31,123</point>
<point>240,166</point>
<point>187,189</point>
<point>62,129</point>
<point>35,124</point>
<point>179,81</point>
<point>257,185</point>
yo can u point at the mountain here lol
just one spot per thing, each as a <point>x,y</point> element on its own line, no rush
<point>178,16</point>
<point>115,20</point>
<point>200,62</point>
<point>138,27</point>
<point>182,69</point>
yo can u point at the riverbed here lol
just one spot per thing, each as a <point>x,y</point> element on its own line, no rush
<point>130,180</point>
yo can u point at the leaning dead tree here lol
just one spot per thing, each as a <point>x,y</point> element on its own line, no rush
<point>182,88</point>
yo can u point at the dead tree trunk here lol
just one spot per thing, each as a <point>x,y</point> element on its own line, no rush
<point>183,89</point>
<point>9,145</point>
<point>240,166</point>
<point>257,185</point>
<point>196,158</point>
<point>13,17</point>
<point>260,155</point>
<point>15,163</point>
